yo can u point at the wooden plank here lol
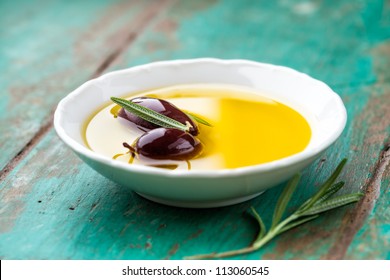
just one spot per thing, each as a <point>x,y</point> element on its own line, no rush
<point>93,218</point>
<point>339,58</point>
<point>44,59</point>
<point>55,212</point>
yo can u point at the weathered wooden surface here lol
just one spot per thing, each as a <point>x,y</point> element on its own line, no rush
<point>48,49</point>
<point>53,206</point>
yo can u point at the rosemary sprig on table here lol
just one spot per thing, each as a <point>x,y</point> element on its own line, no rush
<point>322,201</point>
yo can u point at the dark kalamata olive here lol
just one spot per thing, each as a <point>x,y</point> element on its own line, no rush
<point>168,143</point>
<point>161,106</point>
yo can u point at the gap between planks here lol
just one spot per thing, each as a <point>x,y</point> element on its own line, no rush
<point>354,219</point>
<point>144,21</point>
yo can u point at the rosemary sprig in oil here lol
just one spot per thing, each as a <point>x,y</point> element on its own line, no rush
<point>197,118</point>
<point>155,117</point>
<point>150,115</point>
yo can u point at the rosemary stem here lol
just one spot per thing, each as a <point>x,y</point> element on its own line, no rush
<point>227,253</point>
<point>255,246</point>
<point>274,232</point>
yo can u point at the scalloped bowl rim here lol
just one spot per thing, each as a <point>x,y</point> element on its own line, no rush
<point>264,167</point>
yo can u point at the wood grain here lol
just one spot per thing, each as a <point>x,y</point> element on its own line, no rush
<point>354,219</point>
<point>55,207</point>
<point>46,58</point>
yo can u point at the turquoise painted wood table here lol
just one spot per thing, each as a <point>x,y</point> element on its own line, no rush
<point>53,206</point>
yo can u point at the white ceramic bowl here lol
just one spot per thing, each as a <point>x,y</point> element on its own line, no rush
<point>313,99</point>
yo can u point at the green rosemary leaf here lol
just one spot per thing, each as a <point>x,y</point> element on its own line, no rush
<point>198,119</point>
<point>331,191</point>
<point>333,203</point>
<point>284,199</point>
<point>149,115</point>
<point>262,229</point>
<point>324,188</point>
<point>298,222</point>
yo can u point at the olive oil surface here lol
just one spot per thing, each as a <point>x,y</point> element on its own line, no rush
<point>247,128</point>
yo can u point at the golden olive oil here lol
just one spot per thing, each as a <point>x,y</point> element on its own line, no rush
<point>247,128</point>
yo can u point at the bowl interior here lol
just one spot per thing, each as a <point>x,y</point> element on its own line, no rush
<point>322,108</point>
